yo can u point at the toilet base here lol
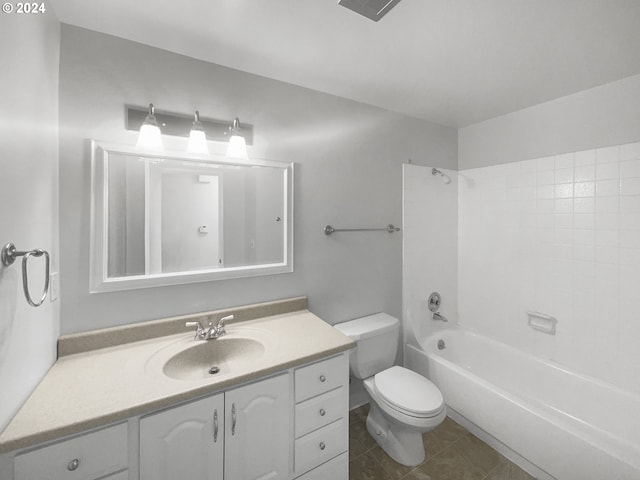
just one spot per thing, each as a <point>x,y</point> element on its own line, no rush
<point>403,445</point>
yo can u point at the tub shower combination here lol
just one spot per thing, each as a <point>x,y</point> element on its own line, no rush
<point>556,422</point>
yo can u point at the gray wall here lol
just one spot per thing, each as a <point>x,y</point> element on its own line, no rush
<point>598,117</point>
<point>348,173</point>
<point>29,49</point>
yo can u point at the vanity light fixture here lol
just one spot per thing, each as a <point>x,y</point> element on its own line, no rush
<point>237,146</point>
<point>197,137</point>
<point>150,136</point>
<point>198,129</point>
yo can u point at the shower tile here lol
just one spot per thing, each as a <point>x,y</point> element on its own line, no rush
<point>585,157</point>
<point>563,205</point>
<point>564,161</point>
<point>564,175</point>
<point>630,186</point>
<point>584,220</point>
<point>584,205</point>
<point>607,204</point>
<point>545,163</point>
<point>607,171</point>
<point>630,169</point>
<point>630,151</point>
<point>564,191</point>
<point>545,177</point>
<point>584,189</point>
<point>585,173</point>
<point>630,221</point>
<point>607,221</point>
<point>630,204</point>
<point>607,188</point>
<point>607,238</point>
<point>607,154</point>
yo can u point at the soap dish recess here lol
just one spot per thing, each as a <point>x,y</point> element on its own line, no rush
<point>542,322</point>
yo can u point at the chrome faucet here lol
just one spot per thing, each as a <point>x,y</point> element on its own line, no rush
<point>212,331</point>
<point>440,317</point>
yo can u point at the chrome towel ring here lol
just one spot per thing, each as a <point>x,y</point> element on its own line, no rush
<point>8,256</point>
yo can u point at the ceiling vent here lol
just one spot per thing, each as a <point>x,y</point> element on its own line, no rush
<point>373,9</point>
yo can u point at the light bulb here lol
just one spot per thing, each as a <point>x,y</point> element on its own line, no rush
<point>150,137</point>
<point>237,147</point>
<point>197,138</point>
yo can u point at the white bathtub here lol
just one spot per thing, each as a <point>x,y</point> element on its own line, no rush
<point>571,426</point>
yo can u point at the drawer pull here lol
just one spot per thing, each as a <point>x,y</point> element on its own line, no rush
<point>322,412</point>
<point>73,465</point>
<point>322,446</point>
<point>323,378</point>
<point>233,419</point>
<point>215,426</point>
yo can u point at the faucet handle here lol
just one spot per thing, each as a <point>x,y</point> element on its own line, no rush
<point>199,328</point>
<point>222,321</point>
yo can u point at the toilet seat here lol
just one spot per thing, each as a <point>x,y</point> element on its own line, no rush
<point>408,392</point>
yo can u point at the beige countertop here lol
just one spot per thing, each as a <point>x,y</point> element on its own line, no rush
<point>98,387</point>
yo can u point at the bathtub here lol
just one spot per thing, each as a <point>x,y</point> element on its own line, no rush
<point>568,426</point>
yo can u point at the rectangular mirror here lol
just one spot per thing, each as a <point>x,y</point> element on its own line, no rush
<point>171,218</point>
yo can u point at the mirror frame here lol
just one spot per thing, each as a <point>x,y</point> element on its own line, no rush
<point>98,271</point>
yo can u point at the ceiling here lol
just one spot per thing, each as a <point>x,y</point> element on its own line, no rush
<point>453,62</point>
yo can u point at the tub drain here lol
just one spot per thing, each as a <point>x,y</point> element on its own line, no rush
<point>441,345</point>
<point>213,370</point>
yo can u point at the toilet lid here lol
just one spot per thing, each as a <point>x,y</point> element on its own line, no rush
<point>409,391</point>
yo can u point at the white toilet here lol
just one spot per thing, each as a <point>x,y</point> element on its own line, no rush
<point>403,404</point>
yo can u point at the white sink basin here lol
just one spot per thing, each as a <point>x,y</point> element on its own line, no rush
<point>212,357</point>
<point>207,360</point>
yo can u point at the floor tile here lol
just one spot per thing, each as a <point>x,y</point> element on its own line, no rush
<point>441,437</point>
<point>395,470</point>
<point>478,453</point>
<point>452,453</point>
<point>507,470</point>
<point>365,467</point>
<point>451,465</point>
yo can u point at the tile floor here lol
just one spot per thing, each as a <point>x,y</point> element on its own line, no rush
<point>452,454</point>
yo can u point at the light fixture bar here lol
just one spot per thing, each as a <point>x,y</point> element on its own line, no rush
<point>179,125</point>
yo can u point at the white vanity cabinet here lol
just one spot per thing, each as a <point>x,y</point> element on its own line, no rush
<point>291,425</point>
<point>184,442</point>
<point>322,420</point>
<point>100,454</point>
<point>242,434</point>
<point>257,430</point>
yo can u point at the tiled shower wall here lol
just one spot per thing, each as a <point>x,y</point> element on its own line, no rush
<point>558,235</point>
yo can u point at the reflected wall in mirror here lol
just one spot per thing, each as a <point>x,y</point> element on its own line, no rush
<point>171,218</point>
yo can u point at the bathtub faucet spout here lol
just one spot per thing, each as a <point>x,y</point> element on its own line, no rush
<point>440,317</point>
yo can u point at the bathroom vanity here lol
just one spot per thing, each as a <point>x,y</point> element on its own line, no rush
<point>277,406</point>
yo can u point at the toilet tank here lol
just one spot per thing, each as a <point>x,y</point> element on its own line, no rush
<point>376,338</point>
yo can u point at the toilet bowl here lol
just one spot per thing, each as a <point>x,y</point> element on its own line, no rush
<point>403,404</point>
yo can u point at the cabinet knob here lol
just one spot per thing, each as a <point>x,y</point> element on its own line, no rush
<point>322,446</point>
<point>322,412</point>
<point>323,378</point>
<point>73,465</point>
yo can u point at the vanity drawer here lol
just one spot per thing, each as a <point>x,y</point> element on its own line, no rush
<point>88,456</point>
<point>319,446</point>
<point>335,469</point>
<point>321,377</point>
<point>321,410</point>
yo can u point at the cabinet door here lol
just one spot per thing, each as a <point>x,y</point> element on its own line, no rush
<point>257,430</point>
<point>184,442</point>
